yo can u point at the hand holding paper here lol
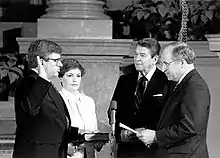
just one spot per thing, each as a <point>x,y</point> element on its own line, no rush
<point>147,136</point>
<point>129,135</point>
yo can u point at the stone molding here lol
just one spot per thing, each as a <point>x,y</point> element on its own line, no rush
<point>113,50</point>
<point>204,55</point>
<point>100,48</point>
<point>202,62</point>
<point>201,48</point>
<point>214,42</point>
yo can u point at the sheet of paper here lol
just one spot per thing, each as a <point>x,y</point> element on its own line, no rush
<point>128,128</point>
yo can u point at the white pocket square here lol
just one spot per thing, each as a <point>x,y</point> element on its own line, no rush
<point>157,95</point>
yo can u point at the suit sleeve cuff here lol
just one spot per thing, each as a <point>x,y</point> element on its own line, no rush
<point>160,137</point>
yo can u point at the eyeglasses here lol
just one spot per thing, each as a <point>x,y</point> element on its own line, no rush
<point>54,60</point>
<point>167,64</point>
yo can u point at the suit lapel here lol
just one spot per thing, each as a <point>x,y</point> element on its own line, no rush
<point>133,80</point>
<point>167,106</point>
<point>54,94</point>
<point>170,103</point>
<point>59,103</point>
<point>151,85</point>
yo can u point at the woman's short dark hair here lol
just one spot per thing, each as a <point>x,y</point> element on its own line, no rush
<point>69,64</point>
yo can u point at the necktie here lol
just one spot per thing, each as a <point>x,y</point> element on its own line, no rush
<point>140,88</point>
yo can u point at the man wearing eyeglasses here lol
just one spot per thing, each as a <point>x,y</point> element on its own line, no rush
<point>181,131</point>
<point>139,108</point>
<point>43,122</point>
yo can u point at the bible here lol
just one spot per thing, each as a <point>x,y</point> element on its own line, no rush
<point>96,136</point>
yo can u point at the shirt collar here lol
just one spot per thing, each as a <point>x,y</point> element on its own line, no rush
<point>149,74</point>
<point>184,75</point>
<point>35,70</point>
<point>70,95</point>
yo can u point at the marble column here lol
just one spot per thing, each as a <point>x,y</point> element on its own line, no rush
<point>75,19</point>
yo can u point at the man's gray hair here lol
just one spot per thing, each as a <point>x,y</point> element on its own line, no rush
<point>181,50</point>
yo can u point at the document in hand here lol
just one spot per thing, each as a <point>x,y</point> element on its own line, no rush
<point>127,128</point>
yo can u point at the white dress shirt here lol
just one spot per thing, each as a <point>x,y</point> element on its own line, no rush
<point>148,76</point>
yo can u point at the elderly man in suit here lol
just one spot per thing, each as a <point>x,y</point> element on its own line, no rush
<point>43,122</point>
<point>181,131</point>
<point>140,97</point>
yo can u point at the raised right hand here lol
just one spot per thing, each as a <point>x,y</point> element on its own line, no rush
<point>41,71</point>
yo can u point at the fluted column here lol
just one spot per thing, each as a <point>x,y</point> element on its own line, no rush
<point>75,9</point>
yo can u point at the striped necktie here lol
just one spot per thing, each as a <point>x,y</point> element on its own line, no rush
<point>139,92</point>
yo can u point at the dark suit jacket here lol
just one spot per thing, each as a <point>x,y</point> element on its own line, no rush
<point>183,123</point>
<point>146,116</point>
<point>41,118</point>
